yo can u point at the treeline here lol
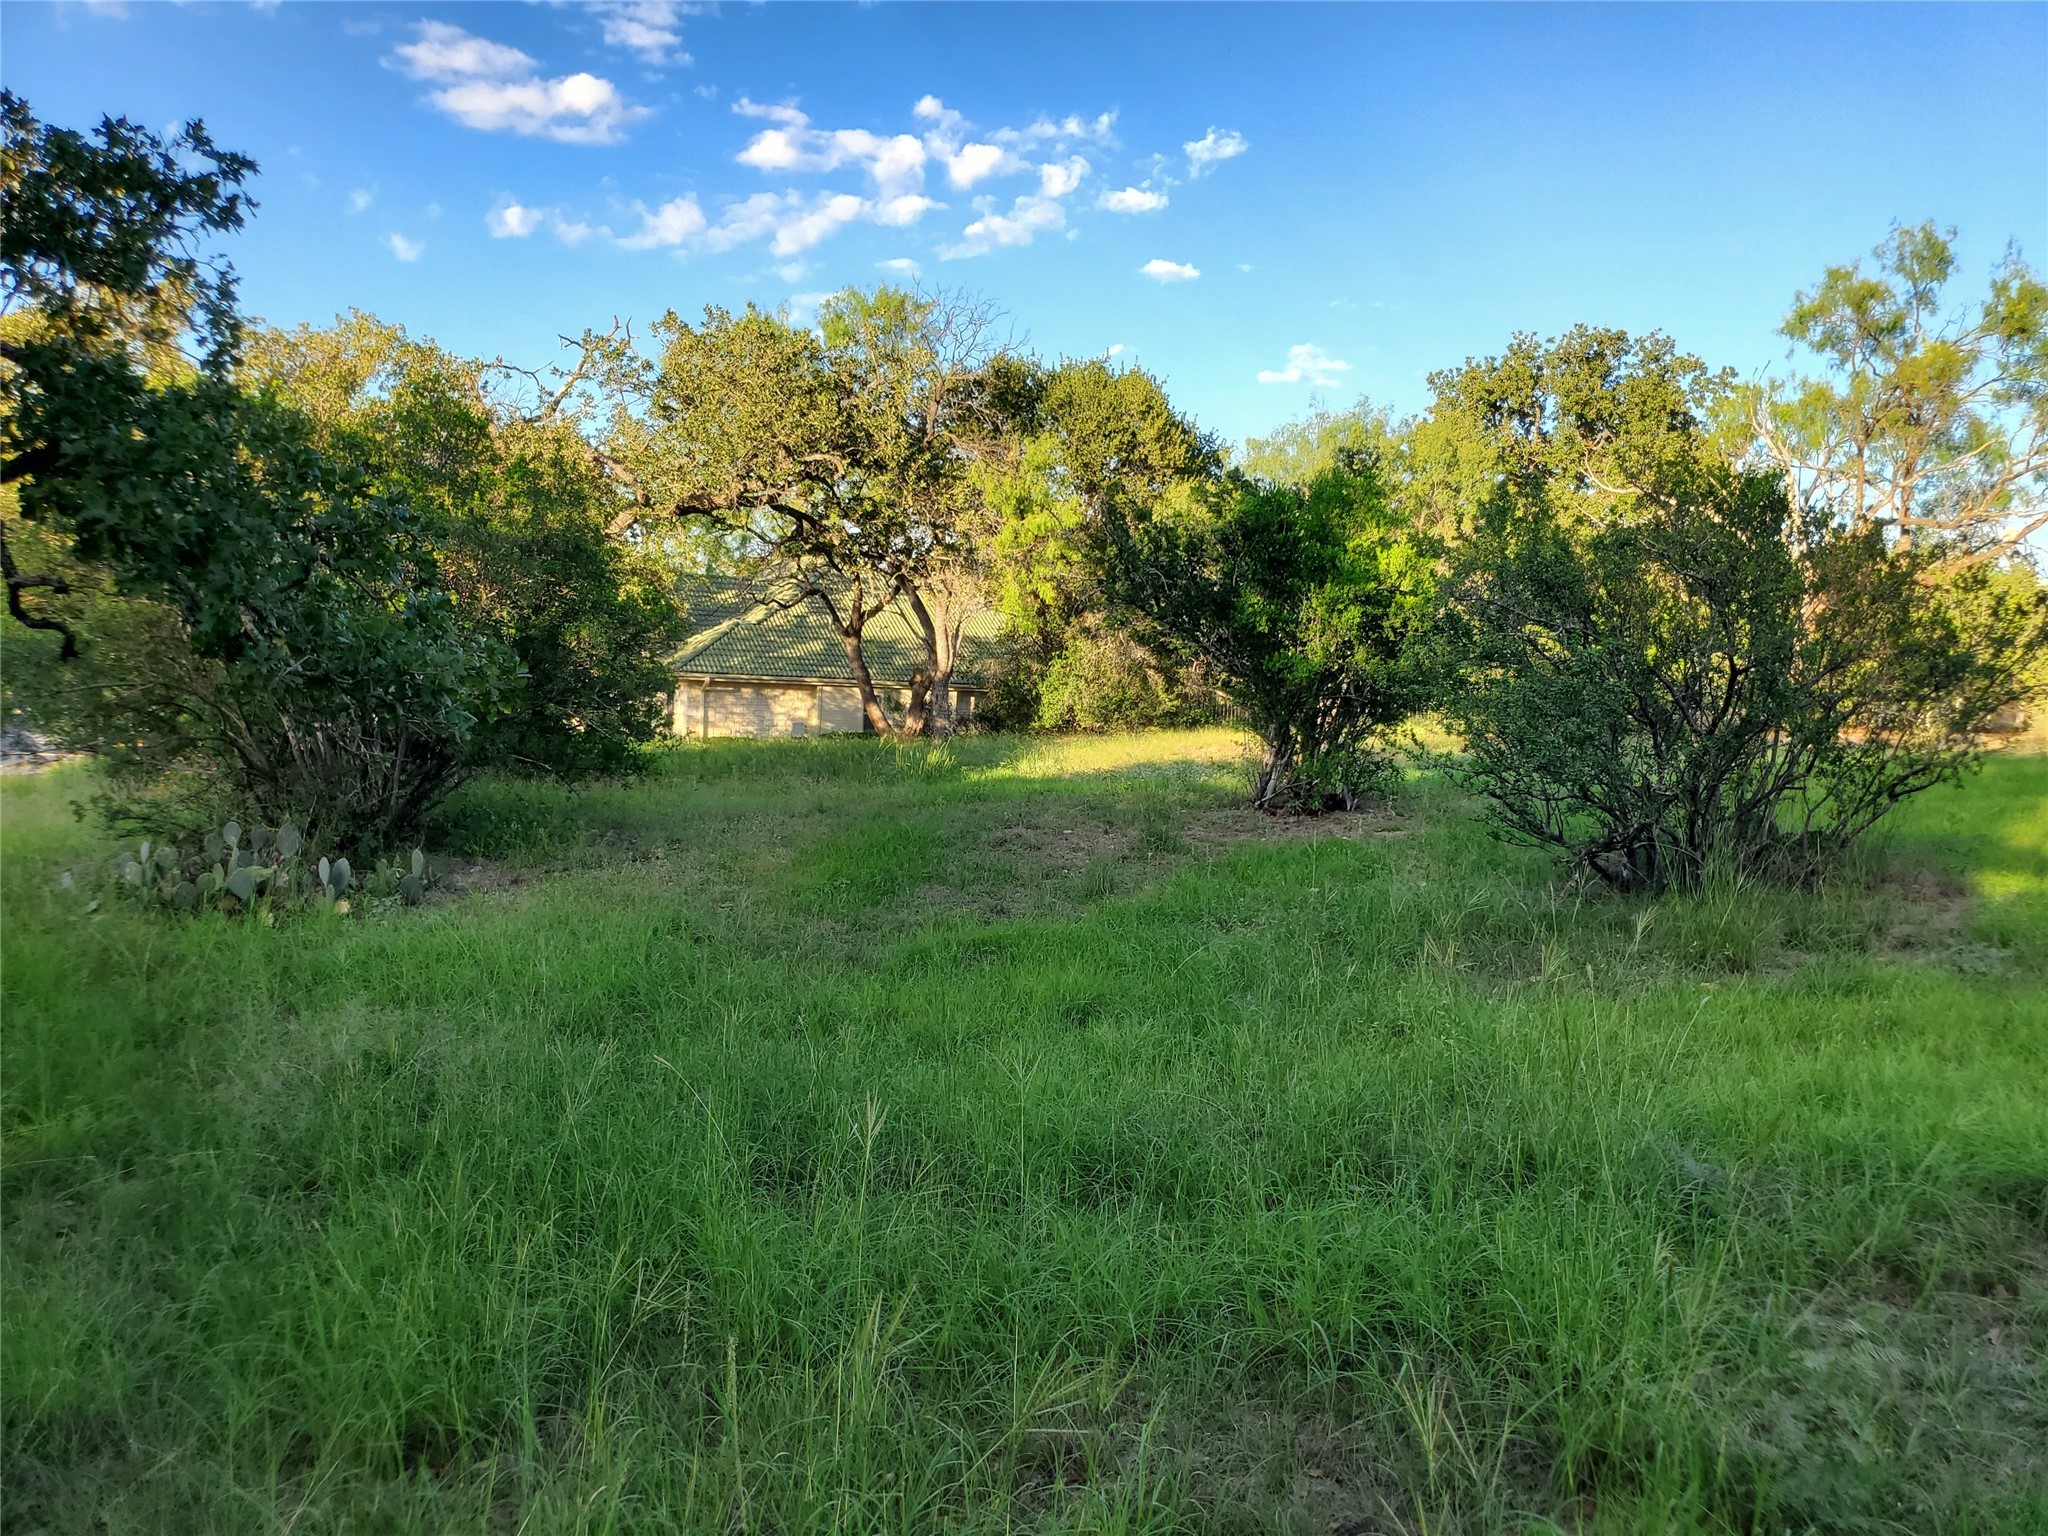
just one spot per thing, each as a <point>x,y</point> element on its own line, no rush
<point>1681,622</point>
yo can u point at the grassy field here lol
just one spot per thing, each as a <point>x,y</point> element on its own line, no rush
<point>821,1136</point>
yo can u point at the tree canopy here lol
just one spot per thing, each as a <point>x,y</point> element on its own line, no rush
<point>839,460</point>
<point>1928,416</point>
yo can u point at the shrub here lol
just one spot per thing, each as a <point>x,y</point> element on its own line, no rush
<point>1304,603</point>
<point>517,512</point>
<point>299,645</point>
<point>1697,682</point>
<point>1104,681</point>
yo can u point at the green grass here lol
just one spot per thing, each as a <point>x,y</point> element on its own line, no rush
<point>1015,1136</point>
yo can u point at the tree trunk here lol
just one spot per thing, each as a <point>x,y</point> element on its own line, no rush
<point>941,632</point>
<point>1276,775</point>
<point>857,663</point>
<point>917,719</point>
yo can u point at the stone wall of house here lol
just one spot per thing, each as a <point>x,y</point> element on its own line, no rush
<point>764,709</point>
<point>786,709</point>
<point>839,709</point>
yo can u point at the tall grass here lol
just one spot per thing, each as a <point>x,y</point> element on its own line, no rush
<point>815,1137</point>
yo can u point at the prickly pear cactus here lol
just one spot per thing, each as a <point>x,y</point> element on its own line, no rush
<point>258,872</point>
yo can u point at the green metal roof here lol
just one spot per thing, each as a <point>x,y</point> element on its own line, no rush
<point>759,633</point>
<point>711,600</point>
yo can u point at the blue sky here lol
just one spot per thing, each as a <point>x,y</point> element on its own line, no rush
<point>1262,205</point>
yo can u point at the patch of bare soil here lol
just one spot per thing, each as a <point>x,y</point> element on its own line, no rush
<point>1064,844</point>
<point>1271,1467</point>
<point>478,877</point>
<point>1927,917</point>
<point>1881,1406</point>
<point>1069,858</point>
<point>1260,1464</point>
<point>1225,827</point>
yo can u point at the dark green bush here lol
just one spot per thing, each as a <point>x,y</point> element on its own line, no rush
<point>1303,602</point>
<point>1700,682</point>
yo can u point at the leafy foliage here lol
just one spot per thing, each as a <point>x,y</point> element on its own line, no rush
<point>1597,411</point>
<point>323,673</point>
<point>1097,444</point>
<point>518,513</point>
<point>1304,602</point>
<point>1930,419</point>
<point>1102,679</point>
<point>1666,668</point>
<point>1699,687</point>
<point>1296,451</point>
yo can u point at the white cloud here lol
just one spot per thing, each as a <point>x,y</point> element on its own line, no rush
<point>793,271</point>
<point>445,52</point>
<point>1028,218</point>
<point>932,110</point>
<point>513,221</point>
<point>894,162</point>
<point>1307,364</point>
<point>789,221</point>
<point>1160,270</point>
<point>1212,149</point>
<point>1063,156</point>
<point>1031,215</point>
<point>510,219</point>
<point>1114,349</point>
<point>826,216</point>
<point>576,109</point>
<point>360,199</point>
<point>971,157</point>
<point>899,211</point>
<point>1132,200</point>
<point>902,266</point>
<point>977,162</point>
<point>493,87</point>
<point>749,219</point>
<point>1057,180</point>
<point>673,223</point>
<point>1044,130</point>
<point>404,249</point>
<point>785,112</point>
<point>1244,266</point>
<point>650,28</point>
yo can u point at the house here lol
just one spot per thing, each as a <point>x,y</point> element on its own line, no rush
<point>767,664</point>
